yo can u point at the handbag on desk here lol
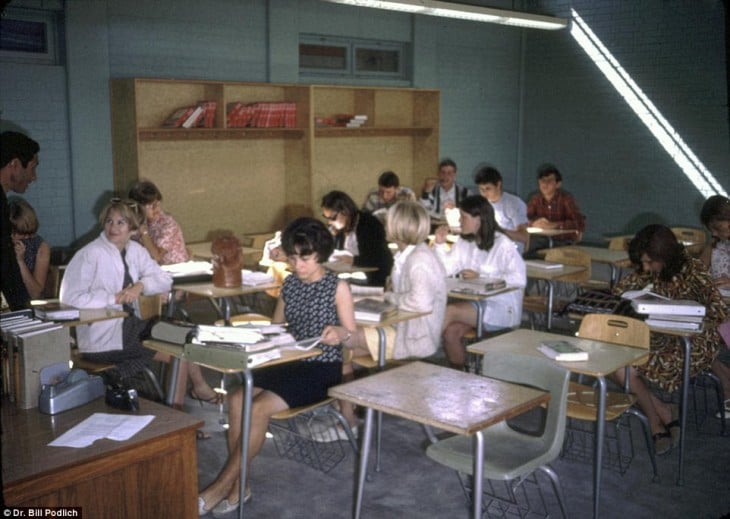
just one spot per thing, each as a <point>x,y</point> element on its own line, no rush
<point>227,262</point>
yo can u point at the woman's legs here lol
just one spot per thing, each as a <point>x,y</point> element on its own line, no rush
<point>459,319</point>
<point>187,369</point>
<point>264,405</point>
<point>657,412</point>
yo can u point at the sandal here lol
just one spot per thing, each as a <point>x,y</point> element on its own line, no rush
<point>726,405</point>
<point>216,399</point>
<point>662,443</point>
<point>674,427</point>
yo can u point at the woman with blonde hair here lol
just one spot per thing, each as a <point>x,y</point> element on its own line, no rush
<point>33,253</point>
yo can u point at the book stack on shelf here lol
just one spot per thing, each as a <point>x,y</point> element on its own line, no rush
<point>341,121</point>
<point>373,310</point>
<point>201,114</point>
<point>261,115</point>
<point>662,312</point>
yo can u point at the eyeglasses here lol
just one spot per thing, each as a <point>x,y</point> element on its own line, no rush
<point>332,217</point>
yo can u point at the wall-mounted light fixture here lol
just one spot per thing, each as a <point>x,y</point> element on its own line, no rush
<point>463,12</point>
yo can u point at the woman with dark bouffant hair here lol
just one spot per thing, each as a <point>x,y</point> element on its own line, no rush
<point>663,266</point>
<point>482,250</point>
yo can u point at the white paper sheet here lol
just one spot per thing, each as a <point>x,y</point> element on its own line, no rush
<point>117,427</point>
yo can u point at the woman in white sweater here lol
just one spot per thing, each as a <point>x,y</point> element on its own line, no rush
<point>113,272</point>
<point>418,284</point>
<point>481,251</point>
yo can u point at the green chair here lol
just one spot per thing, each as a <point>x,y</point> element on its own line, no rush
<point>512,455</point>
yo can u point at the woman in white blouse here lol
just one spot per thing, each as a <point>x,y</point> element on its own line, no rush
<point>481,251</point>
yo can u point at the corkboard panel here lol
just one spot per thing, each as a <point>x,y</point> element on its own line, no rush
<point>393,108</point>
<point>353,165</point>
<point>253,94</point>
<point>219,185</point>
<point>331,101</point>
<point>124,133</point>
<point>155,104</point>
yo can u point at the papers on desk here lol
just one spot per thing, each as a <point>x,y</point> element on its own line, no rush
<point>118,427</point>
<point>188,268</point>
<point>228,334</point>
<point>675,322</point>
<point>542,264</point>
<point>252,278</point>
<point>476,287</point>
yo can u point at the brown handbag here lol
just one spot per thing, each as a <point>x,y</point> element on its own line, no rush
<point>227,262</point>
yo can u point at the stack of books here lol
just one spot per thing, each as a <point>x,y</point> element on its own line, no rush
<point>676,314</point>
<point>373,310</point>
<point>201,114</point>
<point>476,286</point>
<point>341,120</point>
<point>261,115</point>
<point>56,311</point>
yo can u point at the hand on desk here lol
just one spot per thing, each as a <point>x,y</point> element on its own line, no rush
<point>129,294</point>
<point>334,335</point>
<point>468,274</point>
<point>543,223</point>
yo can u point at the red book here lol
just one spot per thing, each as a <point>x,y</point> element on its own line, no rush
<point>290,115</point>
<point>178,117</point>
<point>231,111</point>
<point>192,120</point>
<point>208,119</point>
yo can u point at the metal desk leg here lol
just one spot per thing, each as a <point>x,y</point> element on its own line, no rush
<point>478,471</point>
<point>363,467</point>
<point>172,380</point>
<point>226,311</point>
<point>614,276</point>
<point>171,304</point>
<point>683,405</point>
<point>379,416</point>
<point>551,296</point>
<point>480,316</point>
<point>245,434</point>
<point>598,448</point>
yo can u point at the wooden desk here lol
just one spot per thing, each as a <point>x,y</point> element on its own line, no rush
<point>153,474</point>
<point>686,336</point>
<point>550,233</point>
<point>399,316</point>
<point>551,276</point>
<point>213,292</point>
<point>603,359</point>
<point>458,402</point>
<point>177,353</point>
<point>615,259</point>
<point>92,315</point>
<point>475,300</point>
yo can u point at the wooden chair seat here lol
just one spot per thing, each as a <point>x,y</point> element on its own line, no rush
<point>582,403</point>
<point>87,365</point>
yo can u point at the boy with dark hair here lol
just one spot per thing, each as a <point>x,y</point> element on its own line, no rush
<point>389,192</point>
<point>443,193</point>
<point>509,210</point>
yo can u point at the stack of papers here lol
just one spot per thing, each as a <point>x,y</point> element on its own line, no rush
<point>119,427</point>
<point>188,268</point>
<point>254,278</point>
<point>542,264</point>
<point>678,314</point>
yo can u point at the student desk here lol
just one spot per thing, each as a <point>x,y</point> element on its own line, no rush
<point>433,395</point>
<point>153,474</point>
<point>550,233</point>
<point>686,336</point>
<point>551,276</point>
<point>615,259</point>
<point>213,292</point>
<point>603,359</point>
<point>399,316</point>
<point>475,300</point>
<point>177,353</point>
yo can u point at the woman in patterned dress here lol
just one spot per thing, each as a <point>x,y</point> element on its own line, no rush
<point>715,216</point>
<point>664,267</point>
<point>33,253</point>
<point>314,303</point>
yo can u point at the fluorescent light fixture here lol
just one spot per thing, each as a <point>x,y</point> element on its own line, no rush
<point>663,132</point>
<point>463,12</point>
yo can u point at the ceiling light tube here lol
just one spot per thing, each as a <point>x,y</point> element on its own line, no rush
<point>463,12</point>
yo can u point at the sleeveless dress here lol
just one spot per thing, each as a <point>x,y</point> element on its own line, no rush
<point>32,245</point>
<point>309,307</point>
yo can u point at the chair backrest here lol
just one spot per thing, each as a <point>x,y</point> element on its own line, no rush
<point>571,256</point>
<point>537,372</point>
<point>690,234</point>
<point>151,306</point>
<point>615,329</point>
<point>619,243</point>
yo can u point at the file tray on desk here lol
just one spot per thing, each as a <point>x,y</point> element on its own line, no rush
<point>229,356</point>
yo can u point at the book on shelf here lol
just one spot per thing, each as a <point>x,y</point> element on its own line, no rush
<point>290,115</point>
<point>195,116</point>
<point>675,322</point>
<point>178,117</point>
<point>542,264</point>
<point>208,119</point>
<point>56,311</point>
<point>373,310</point>
<point>562,351</point>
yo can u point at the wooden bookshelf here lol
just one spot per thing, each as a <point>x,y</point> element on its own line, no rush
<point>248,180</point>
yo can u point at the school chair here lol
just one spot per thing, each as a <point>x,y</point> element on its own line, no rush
<point>582,398</point>
<point>692,238</point>
<point>512,456</point>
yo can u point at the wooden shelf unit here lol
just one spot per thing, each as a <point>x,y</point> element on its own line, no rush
<point>256,179</point>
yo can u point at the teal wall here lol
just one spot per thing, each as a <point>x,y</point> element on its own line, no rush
<point>511,97</point>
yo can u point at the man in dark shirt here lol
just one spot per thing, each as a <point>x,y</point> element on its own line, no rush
<point>18,162</point>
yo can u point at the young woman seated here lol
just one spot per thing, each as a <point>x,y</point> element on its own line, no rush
<point>314,303</point>
<point>33,253</point>
<point>113,271</point>
<point>358,233</point>
<point>663,266</point>
<point>418,285</point>
<point>482,250</point>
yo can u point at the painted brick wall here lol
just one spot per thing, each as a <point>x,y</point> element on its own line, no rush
<point>622,177</point>
<point>33,101</point>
